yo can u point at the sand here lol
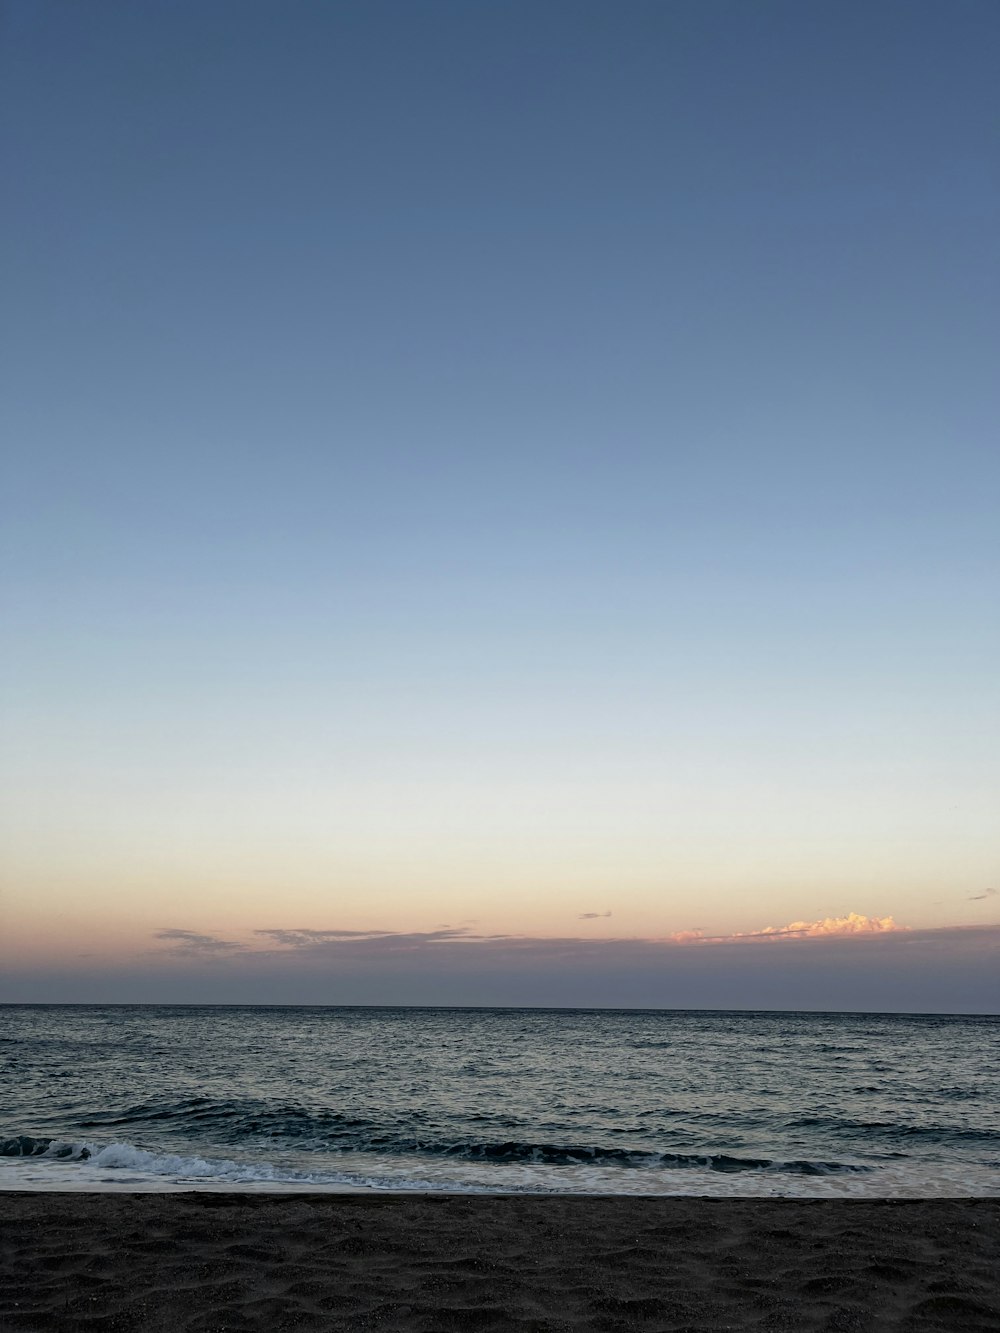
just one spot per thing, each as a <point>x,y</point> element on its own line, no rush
<point>271,1262</point>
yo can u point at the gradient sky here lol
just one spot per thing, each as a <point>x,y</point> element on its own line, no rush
<point>524,470</point>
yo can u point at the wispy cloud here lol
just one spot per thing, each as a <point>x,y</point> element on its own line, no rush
<point>381,942</point>
<point>194,945</point>
<point>300,937</point>
<point>802,965</point>
<point>978,897</point>
<point>462,947</point>
<point>446,954</point>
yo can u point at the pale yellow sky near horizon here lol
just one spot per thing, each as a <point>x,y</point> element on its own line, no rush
<point>96,860</point>
<point>105,891</point>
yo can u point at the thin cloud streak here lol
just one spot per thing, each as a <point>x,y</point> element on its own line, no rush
<point>851,962</point>
<point>940,970</point>
<point>978,897</point>
<point>851,926</point>
<point>460,946</point>
<point>303,938</point>
<point>943,969</point>
<point>190,943</point>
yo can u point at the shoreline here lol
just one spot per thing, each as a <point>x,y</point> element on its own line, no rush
<point>143,1172</point>
<point>214,1260</point>
<point>53,1182</point>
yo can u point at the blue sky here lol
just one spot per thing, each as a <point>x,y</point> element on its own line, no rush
<point>497,461</point>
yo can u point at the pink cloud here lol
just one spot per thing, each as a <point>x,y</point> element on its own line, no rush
<point>393,941</point>
<point>458,941</point>
<point>852,924</point>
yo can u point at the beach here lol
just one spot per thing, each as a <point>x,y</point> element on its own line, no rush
<point>231,1261</point>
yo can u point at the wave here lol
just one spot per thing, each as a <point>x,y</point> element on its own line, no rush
<point>27,1145</point>
<point>241,1122</point>
<point>547,1154</point>
<point>127,1157</point>
<point>240,1118</point>
<point>552,1154</point>
<point>890,1129</point>
<point>246,1122</point>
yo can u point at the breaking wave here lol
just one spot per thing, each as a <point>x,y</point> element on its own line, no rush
<point>721,1104</point>
<point>547,1154</point>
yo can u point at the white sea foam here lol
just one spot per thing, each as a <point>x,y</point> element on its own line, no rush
<point>123,1167</point>
<point>88,1165</point>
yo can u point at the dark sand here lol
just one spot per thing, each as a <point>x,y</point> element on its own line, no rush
<point>237,1261</point>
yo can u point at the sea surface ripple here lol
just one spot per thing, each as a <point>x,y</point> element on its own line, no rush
<point>650,1102</point>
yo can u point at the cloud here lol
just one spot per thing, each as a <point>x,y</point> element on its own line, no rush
<point>193,945</point>
<point>978,897</point>
<point>460,951</point>
<point>953,969</point>
<point>829,927</point>
<point>852,924</point>
<point>301,937</point>
<point>461,944</point>
<point>456,940</point>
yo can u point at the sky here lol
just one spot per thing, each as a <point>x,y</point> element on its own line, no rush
<point>501,502</point>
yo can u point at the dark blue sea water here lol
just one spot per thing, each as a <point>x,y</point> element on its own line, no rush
<point>498,1099</point>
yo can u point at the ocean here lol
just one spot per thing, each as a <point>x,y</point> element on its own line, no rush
<point>123,1097</point>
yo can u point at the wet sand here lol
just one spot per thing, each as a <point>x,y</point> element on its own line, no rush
<point>204,1261</point>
